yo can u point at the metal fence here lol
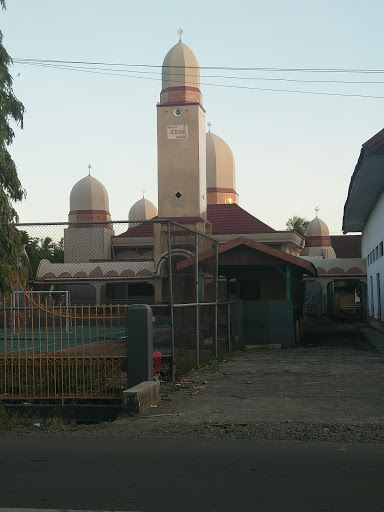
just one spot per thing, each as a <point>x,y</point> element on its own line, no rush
<point>65,338</point>
<point>52,350</point>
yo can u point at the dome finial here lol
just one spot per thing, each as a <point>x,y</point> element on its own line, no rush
<point>143,191</point>
<point>317,210</point>
<point>180,32</point>
<point>89,169</point>
<point>209,124</point>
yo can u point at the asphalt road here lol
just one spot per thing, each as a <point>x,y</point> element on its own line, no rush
<point>189,475</point>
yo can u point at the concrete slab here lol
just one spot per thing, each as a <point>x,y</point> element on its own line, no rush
<point>375,337</point>
<point>267,347</point>
<point>139,398</point>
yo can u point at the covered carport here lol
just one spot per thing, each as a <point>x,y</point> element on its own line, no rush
<point>268,287</point>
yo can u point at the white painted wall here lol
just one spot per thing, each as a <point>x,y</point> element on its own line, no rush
<point>373,236</point>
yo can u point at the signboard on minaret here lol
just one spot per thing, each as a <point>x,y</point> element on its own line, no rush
<point>177,131</point>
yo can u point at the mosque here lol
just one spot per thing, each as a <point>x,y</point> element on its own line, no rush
<point>197,189</point>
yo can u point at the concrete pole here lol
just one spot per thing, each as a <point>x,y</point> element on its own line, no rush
<point>139,344</point>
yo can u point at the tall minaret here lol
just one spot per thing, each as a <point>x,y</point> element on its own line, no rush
<point>181,141</point>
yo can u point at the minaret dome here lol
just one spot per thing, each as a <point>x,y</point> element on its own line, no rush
<point>180,76</point>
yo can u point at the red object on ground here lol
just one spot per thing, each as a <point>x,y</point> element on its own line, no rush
<point>156,362</point>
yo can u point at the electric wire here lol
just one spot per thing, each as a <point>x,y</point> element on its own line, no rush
<point>306,70</point>
<point>230,77</point>
<point>134,74</point>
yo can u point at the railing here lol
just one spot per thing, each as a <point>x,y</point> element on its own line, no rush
<point>61,352</point>
<point>351,308</point>
<point>51,350</point>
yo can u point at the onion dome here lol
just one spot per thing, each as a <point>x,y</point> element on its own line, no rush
<point>89,201</point>
<point>180,76</point>
<point>317,240</point>
<point>220,171</point>
<point>142,210</point>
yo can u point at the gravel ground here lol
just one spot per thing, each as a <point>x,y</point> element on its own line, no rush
<point>329,391</point>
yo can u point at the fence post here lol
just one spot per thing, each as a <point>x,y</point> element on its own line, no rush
<point>198,284</point>
<point>229,327</point>
<point>216,293</point>
<point>139,344</point>
<point>170,282</point>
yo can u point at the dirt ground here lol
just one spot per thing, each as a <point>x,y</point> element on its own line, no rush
<point>331,388</point>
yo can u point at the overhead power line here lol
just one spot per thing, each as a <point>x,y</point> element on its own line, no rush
<point>230,77</point>
<point>306,70</point>
<point>90,68</point>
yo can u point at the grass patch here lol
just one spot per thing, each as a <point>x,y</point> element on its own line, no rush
<point>17,423</point>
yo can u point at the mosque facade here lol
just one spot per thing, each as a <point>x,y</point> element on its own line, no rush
<point>196,189</point>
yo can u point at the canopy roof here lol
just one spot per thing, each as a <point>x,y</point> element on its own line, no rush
<point>244,252</point>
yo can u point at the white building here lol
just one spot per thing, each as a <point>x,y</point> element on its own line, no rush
<point>364,211</point>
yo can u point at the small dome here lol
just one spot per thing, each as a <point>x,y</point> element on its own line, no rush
<point>317,240</point>
<point>317,227</point>
<point>89,194</point>
<point>142,210</point>
<point>180,67</point>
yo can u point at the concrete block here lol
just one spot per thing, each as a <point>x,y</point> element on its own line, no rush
<point>139,398</point>
<point>267,347</point>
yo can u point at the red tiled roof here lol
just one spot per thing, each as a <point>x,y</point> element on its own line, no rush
<point>144,229</point>
<point>226,219</point>
<point>232,220</point>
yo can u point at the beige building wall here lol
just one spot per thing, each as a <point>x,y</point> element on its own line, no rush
<point>84,244</point>
<point>181,161</point>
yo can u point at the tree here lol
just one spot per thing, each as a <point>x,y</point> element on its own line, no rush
<point>298,224</point>
<point>36,249</point>
<point>11,191</point>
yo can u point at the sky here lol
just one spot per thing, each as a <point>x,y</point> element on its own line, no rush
<point>294,151</point>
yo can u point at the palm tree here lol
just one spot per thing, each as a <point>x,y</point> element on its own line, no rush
<point>298,224</point>
<point>46,247</point>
